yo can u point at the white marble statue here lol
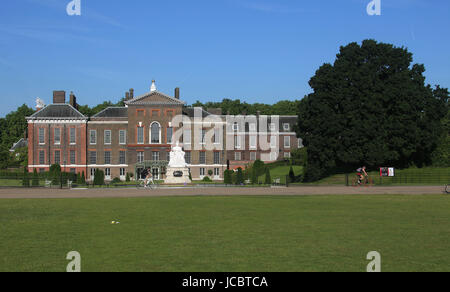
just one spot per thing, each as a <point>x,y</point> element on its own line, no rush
<point>39,103</point>
<point>177,157</point>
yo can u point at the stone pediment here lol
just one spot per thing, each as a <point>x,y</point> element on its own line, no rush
<point>154,98</point>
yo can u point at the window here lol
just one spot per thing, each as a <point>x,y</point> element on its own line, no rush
<point>286,127</point>
<point>203,136</point>
<point>73,171</point>
<point>72,136</point>
<point>140,157</point>
<point>287,142</point>
<point>287,154</point>
<point>72,157</point>
<point>216,157</point>
<point>235,127</point>
<point>272,127</point>
<point>237,156</point>
<point>169,135</point>
<point>252,141</point>
<point>122,172</point>
<point>92,173</point>
<point>167,156</point>
<point>273,141</point>
<point>122,157</point>
<point>41,136</point>
<point>93,137</point>
<point>216,172</point>
<point>187,136</point>
<point>300,143</point>
<point>252,156</point>
<point>107,157</point>
<point>140,135</point>
<point>57,157</point>
<point>155,156</point>
<point>237,142</point>
<point>41,157</point>
<point>155,133</point>
<point>202,159</point>
<point>187,157</point>
<point>273,156</point>
<point>108,137</point>
<point>57,137</point>
<point>108,172</point>
<point>92,157</point>
<point>122,137</point>
<point>202,171</point>
<point>216,136</point>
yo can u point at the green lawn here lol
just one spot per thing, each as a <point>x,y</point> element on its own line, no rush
<point>281,172</point>
<point>275,233</point>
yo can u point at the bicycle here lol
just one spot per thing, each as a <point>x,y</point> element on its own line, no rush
<point>367,181</point>
<point>151,185</point>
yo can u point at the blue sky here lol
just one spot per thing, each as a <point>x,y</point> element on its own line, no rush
<point>254,50</point>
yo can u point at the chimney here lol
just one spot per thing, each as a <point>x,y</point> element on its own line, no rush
<point>131,93</point>
<point>177,93</point>
<point>59,96</point>
<point>127,96</point>
<point>73,100</point>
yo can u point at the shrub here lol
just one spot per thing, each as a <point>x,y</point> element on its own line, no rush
<point>116,180</point>
<point>228,177</point>
<point>291,175</point>
<point>268,180</point>
<point>55,174</point>
<point>127,179</point>
<point>206,179</point>
<point>99,177</point>
<point>210,172</point>
<point>239,177</point>
<point>26,179</point>
<point>35,181</point>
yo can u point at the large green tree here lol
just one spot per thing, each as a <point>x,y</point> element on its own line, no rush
<point>370,107</point>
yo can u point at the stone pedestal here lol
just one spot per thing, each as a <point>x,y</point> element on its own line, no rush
<point>177,175</point>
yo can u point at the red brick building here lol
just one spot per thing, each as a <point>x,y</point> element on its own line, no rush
<point>121,140</point>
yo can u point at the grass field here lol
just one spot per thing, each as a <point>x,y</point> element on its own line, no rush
<point>281,172</point>
<point>312,233</point>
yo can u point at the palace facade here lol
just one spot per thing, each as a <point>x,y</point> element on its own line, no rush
<point>121,140</point>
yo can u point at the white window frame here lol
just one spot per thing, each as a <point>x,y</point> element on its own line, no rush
<point>287,154</point>
<point>237,156</point>
<point>137,135</point>
<point>122,133</point>
<point>187,133</point>
<point>155,153</point>
<point>286,127</point>
<point>300,143</point>
<point>110,157</point>
<point>253,156</point>
<point>254,139</point>
<point>202,172</point>
<point>74,130</point>
<point>216,173</point>
<point>272,127</point>
<point>41,135</point>
<point>140,156</point>
<point>74,161</point>
<point>288,140</point>
<point>159,134</point>
<point>273,141</point>
<point>237,142</point>
<point>95,137</point>
<point>108,173</point>
<point>57,141</point>
<point>200,154</point>
<point>110,137</point>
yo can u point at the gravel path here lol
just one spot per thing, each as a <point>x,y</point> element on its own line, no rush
<point>215,191</point>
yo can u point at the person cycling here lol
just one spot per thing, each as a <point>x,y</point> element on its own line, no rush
<point>148,178</point>
<point>361,173</point>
